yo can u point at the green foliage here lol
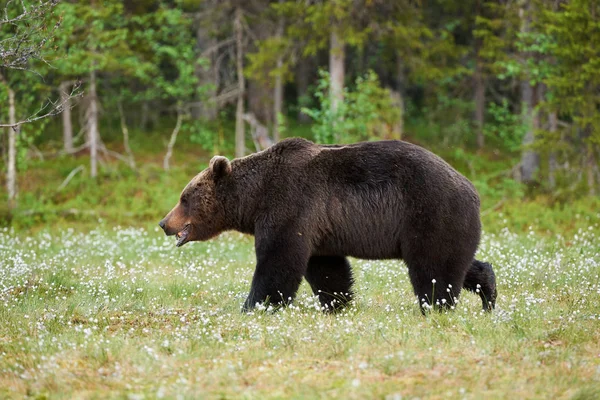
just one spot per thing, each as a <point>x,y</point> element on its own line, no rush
<point>503,127</point>
<point>444,119</point>
<point>152,49</point>
<point>29,90</point>
<point>574,77</point>
<point>313,23</point>
<point>367,112</point>
<point>201,134</point>
<point>151,54</point>
<point>95,36</point>
<point>262,63</point>
<point>282,124</point>
<point>119,195</point>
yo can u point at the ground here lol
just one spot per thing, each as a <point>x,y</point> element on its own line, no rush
<point>120,312</point>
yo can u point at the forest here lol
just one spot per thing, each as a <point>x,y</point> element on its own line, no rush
<point>506,90</point>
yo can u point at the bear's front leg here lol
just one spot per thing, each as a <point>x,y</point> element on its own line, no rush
<point>281,263</point>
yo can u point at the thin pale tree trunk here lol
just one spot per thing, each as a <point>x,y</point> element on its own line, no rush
<point>240,142</point>
<point>93,125</point>
<point>173,139</point>
<point>398,127</point>
<point>260,133</point>
<point>336,70</point>
<point>591,166</point>
<point>11,170</point>
<point>278,90</point>
<point>66,116</point>
<point>131,159</point>
<point>398,95</point>
<point>302,79</point>
<point>479,97</point>
<point>207,79</point>
<point>552,162</point>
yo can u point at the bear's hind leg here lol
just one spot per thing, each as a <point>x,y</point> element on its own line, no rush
<point>435,290</point>
<point>481,279</point>
<point>330,278</point>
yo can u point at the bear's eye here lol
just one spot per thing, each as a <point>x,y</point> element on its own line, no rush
<point>183,201</point>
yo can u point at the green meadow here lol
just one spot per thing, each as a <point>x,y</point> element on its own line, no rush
<point>118,312</point>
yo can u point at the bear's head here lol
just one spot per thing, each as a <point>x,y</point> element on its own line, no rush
<point>199,215</point>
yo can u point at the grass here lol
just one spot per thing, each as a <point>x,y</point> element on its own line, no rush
<point>121,313</point>
<point>89,309</point>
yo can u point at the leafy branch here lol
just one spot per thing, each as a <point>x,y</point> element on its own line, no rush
<point>28,33</point>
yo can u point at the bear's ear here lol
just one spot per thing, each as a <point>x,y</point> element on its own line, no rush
<point>220,166</point>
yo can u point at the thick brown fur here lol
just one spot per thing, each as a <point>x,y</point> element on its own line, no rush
<point>311,206</point>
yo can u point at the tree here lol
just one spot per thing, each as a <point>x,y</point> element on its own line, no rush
<point>240,142</point>
<point>25,33</point>
<point>95,35</point>
<point>529,97</point>
<point>27,28</point>
<point>140,54</point>
<point>570,39</point>
<point>337,26</point>
<point>278,90</point>
<point>478,84</point>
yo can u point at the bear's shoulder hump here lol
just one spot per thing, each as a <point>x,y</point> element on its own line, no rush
<point>296,149</point>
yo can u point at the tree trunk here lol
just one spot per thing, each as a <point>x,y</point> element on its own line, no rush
<point>259,100</point>
<point>529,158</point>
<point>479,97</point>
<point>478,89</point>
<point>144,116</point>
<point>260,133</point>
<point>336,70</point>
<point>130,158</point>
<point>66,116</point>
<point>397,129</point>
<point>591,166</point>
<point>479,106</point>
<point>278,90</point>
<point>240,142</point>
<point>93,125</point>
<point>277,104</point>
<point>552,162</point>
<point>398,95</point>
<point>302,81</point>
<point>11,170</point>
<point>205,108</point>
<point>173,139</point>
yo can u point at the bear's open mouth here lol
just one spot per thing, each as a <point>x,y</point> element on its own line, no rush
<point>182,236</point>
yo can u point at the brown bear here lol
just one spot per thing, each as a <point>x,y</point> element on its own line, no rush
<point>311,206</point>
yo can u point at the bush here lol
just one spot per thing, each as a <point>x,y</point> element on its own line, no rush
<point>366,113</point>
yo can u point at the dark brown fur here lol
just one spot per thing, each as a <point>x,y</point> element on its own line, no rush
<point>311,206</point>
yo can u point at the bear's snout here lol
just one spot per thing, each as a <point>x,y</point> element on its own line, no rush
<point>167,228</point>
<point>174,222</point>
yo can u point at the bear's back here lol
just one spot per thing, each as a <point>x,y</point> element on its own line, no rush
<point>364,199</point>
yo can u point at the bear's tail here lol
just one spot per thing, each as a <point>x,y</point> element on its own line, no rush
<point>482,280</point>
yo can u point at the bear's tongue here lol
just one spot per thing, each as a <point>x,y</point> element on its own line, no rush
<point>182,237</point>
